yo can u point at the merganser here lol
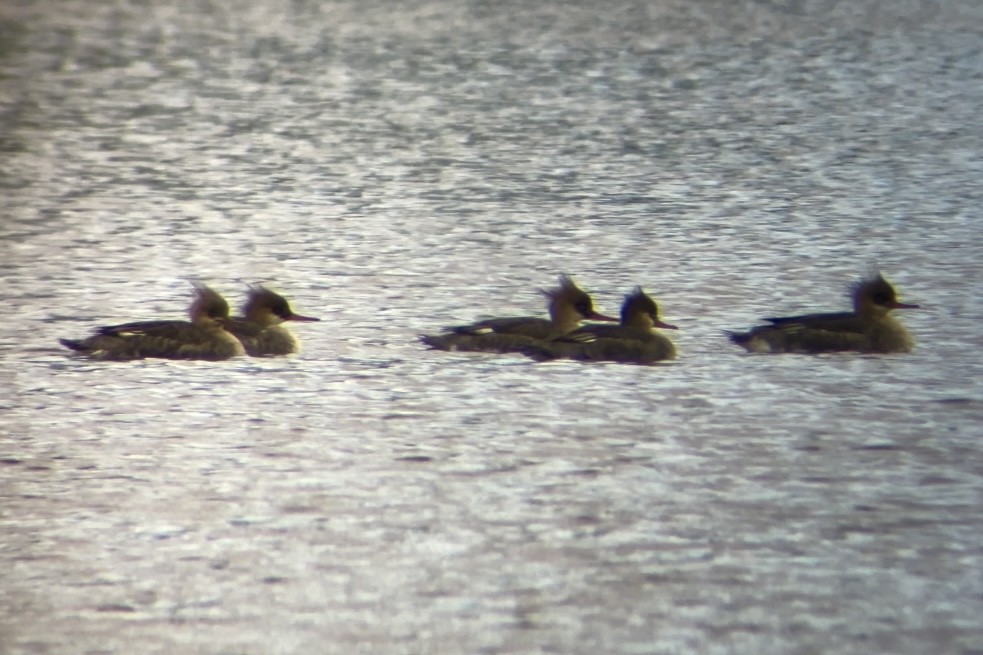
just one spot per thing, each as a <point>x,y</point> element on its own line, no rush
<point>869,328</point>
<point>260,329</point>
<point>634,341</point>
<point>568,305</point>
<point>204,337</point>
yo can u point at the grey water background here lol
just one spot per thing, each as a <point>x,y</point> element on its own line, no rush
<point>394,167</point>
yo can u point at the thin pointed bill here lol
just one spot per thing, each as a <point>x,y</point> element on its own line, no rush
<point>303,319</point>
<point>601,317</point>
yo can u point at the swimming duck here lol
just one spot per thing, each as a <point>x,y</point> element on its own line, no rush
<point>869,328</point>
<point>568,305</point>
<point>260,329</point>
<point>634,341</point>
<point>204,337</point>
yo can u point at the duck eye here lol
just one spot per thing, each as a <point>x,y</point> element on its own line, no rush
<point>584,308</point>
<point>882,298</point>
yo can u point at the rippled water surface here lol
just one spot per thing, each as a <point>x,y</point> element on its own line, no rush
<point>397,167</point>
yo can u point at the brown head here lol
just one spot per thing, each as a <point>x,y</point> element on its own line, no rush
<point>640,311</point>
<point>208,307</point>
<point>568,304</point>
<point>875,296</point>
<point>269,308</point>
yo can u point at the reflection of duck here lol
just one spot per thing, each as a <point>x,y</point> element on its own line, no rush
<point>260,330</point>
<point>202,338</point>
<point>568,305</point>
<point>869,328</point>
<point>633,341</point>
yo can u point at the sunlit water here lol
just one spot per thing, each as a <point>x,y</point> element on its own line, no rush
<point>394,168</point>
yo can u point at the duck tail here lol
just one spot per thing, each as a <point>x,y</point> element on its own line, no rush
<point>72,344</point>
<point>435,342</point>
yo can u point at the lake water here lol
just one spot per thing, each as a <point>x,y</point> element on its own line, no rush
<point>397,167</point>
